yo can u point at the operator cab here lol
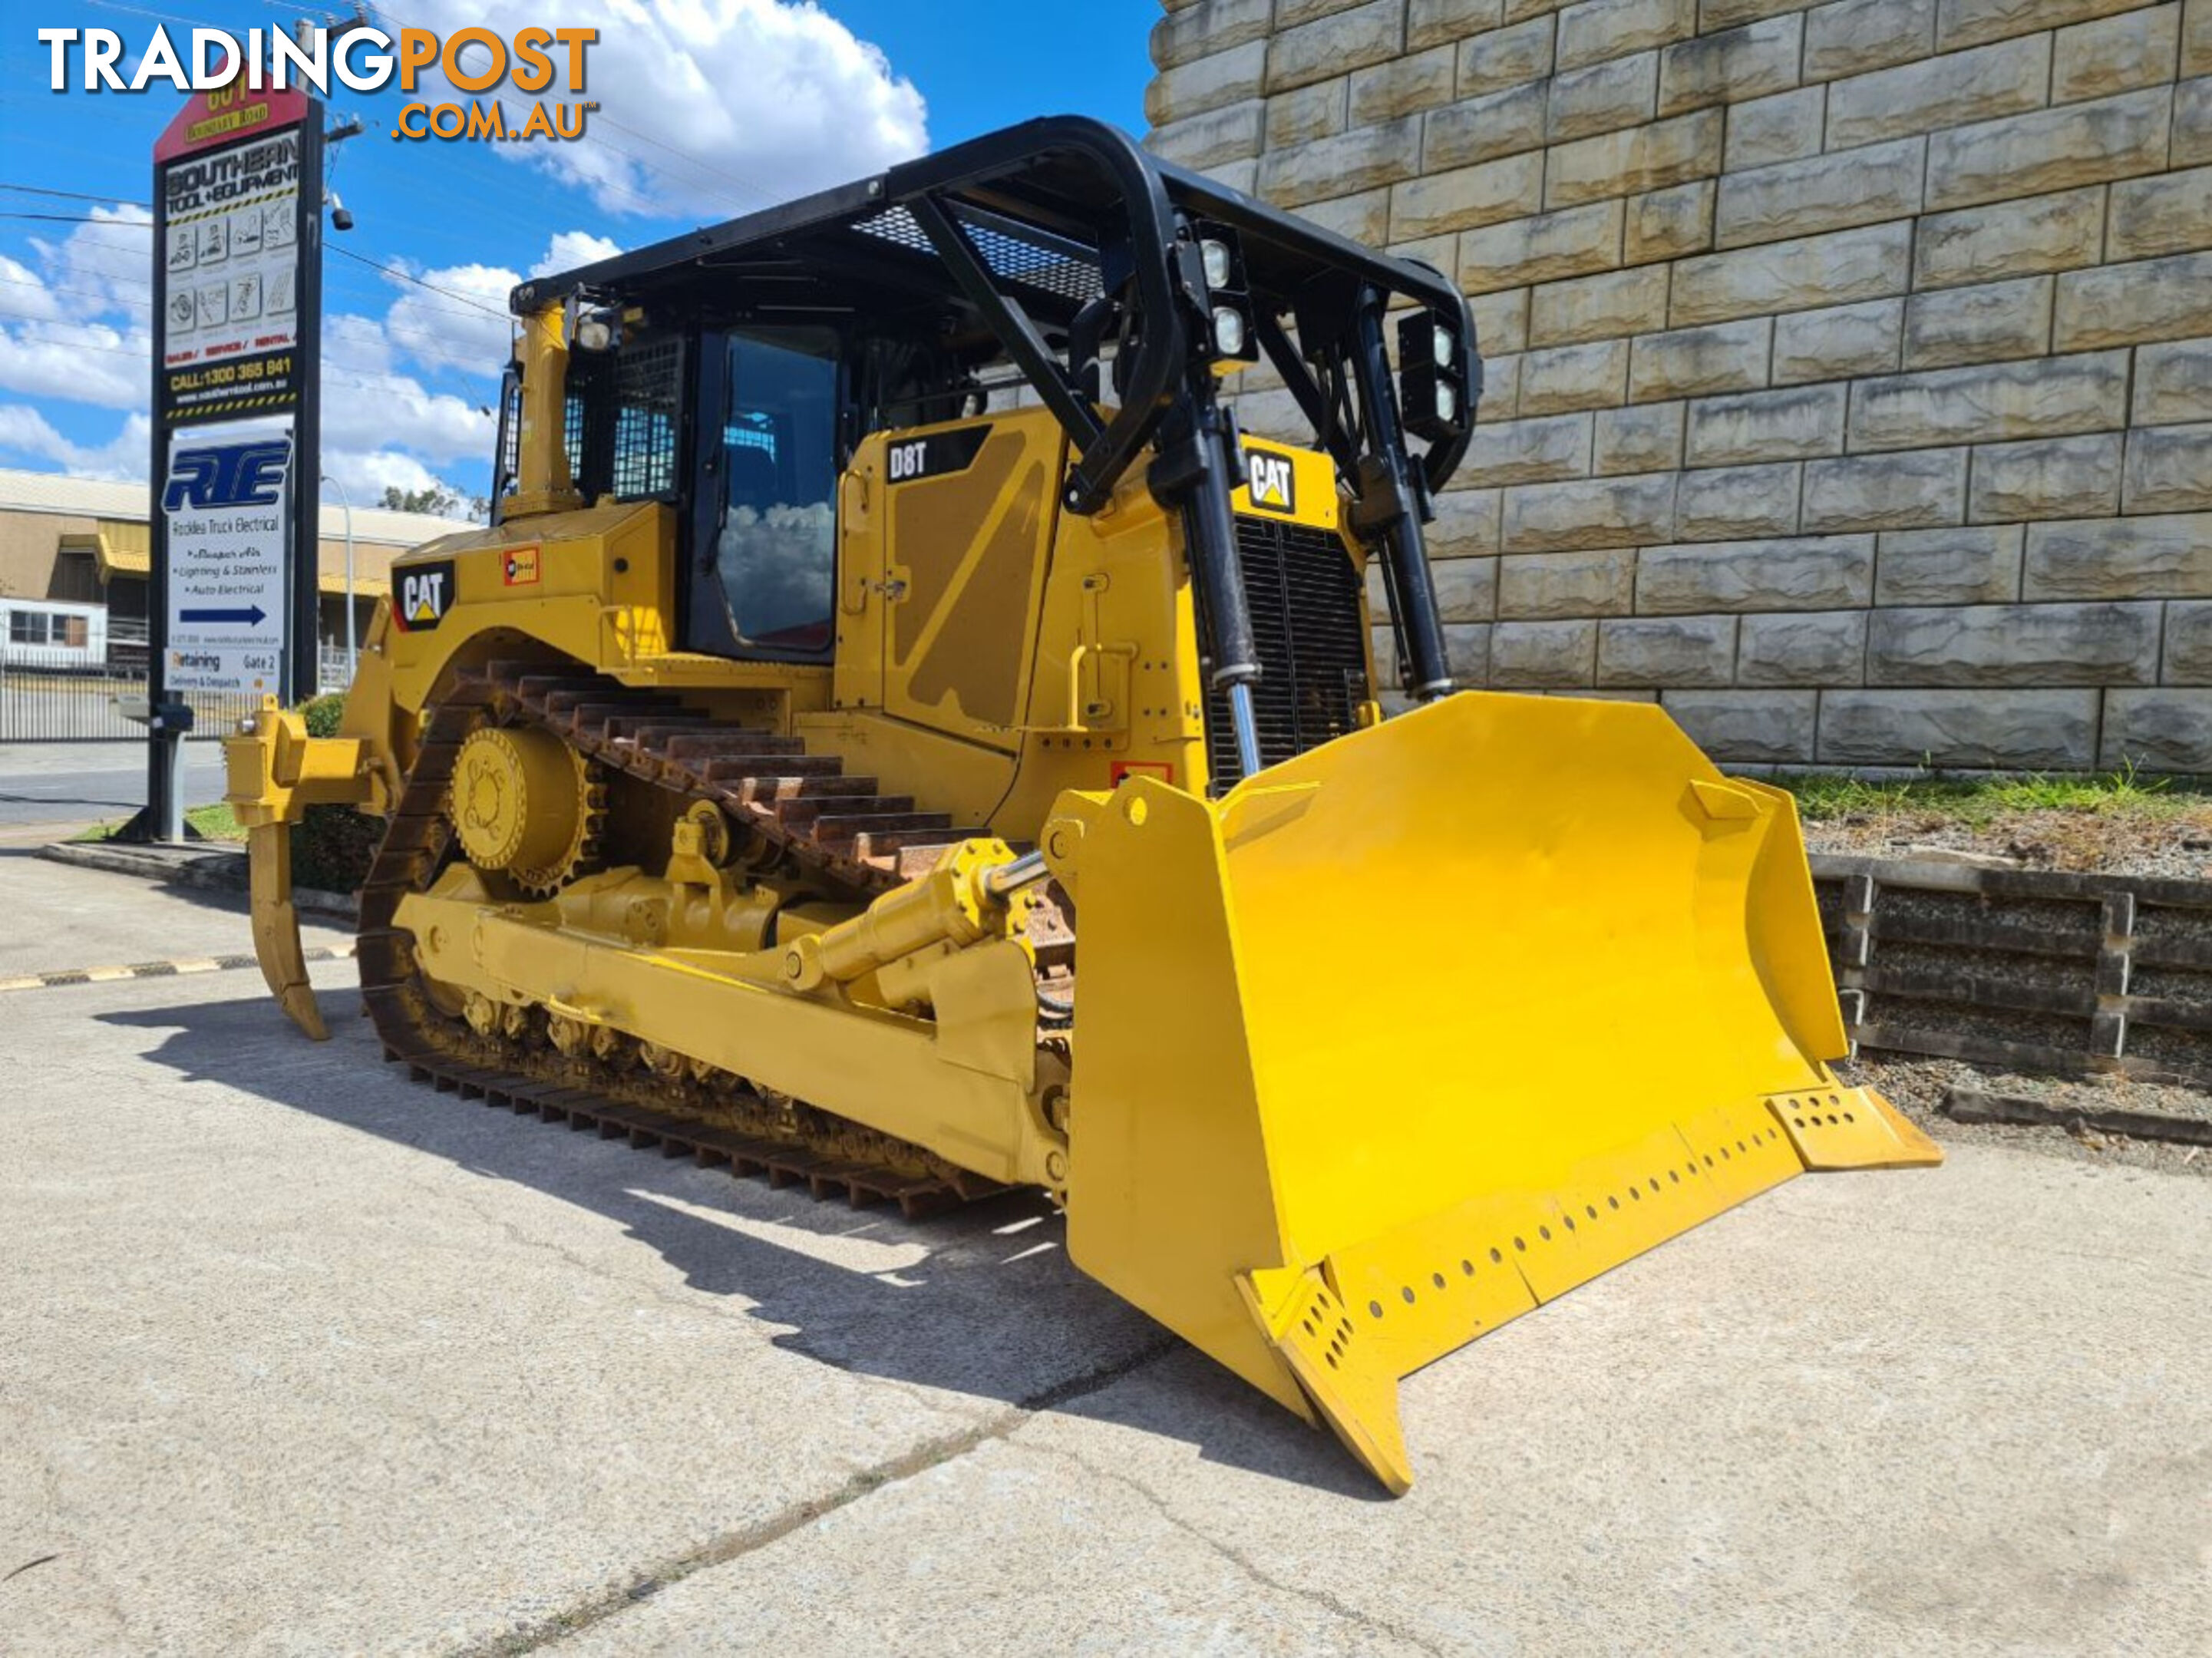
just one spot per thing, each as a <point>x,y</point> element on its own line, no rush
<point>735,371</point>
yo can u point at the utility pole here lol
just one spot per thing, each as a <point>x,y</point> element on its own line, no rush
<point>346,501</point>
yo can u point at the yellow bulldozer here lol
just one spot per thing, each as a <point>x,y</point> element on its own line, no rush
<point>897,734</point>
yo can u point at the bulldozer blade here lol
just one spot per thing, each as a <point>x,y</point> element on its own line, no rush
<point>276,925</point>
<point>1404,1037</point>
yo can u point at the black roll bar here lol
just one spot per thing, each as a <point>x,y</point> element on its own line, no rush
<point>1039,184</point>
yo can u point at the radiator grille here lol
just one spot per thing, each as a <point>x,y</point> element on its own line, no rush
<point>1305,595</point>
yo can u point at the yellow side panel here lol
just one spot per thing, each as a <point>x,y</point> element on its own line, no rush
<point>598,584</point>
<point>967,544</point>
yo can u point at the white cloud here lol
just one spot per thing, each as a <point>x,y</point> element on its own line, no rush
<point>366,411</point>
<point>353,343</point>
<point>25,434</point>
<point>365,475</point>
<point>724,106</point>
<point>362,466</point>
<point>23,292</point>
<point>454,318</point>
<point>75,328</point>
<point>106,264</point>
<point>459,325</point>
<point>76,362</point>
<point>571,249</point>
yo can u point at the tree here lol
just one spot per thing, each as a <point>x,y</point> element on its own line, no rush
<point>439,503</point>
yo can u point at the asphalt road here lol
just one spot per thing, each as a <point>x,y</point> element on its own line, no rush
<point>301,1358</point>
<point>93,782</point>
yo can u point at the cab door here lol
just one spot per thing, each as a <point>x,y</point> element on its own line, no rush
<point>766,535</point>
<point>965,518</point>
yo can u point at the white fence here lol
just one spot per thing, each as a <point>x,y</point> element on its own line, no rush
<point>93,701</point>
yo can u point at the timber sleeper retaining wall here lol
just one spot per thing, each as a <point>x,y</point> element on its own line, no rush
<point>2032,969</point>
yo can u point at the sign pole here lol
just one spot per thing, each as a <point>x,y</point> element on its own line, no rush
<point>233,594</point>
<point>302,652</point>
<point>163,819</point>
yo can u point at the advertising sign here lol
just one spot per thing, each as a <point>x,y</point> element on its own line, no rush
<point>227,498</point>
<point>237,268</point>
<point>229,328</point>
<point>229,198</point>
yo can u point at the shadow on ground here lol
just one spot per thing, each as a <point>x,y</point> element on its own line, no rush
<point>985,1302</point>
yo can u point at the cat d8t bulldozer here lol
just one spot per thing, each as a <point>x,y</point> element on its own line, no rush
<point>898,734</point>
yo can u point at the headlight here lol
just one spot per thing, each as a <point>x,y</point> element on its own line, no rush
<point>1228,330</point>
<point>595,333</point>
<point>1438,377</point>
<point>1218,264</point>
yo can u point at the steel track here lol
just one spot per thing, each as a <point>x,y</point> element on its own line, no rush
<point>841,830</point>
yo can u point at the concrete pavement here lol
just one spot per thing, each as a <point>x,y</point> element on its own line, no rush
<point>80,783</point>
<point>53,917</point>
<point>300,1358</point>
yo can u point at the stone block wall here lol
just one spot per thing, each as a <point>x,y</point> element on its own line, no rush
<point>1849,364</point>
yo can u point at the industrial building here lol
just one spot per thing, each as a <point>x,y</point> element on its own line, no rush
<point>84,541</point>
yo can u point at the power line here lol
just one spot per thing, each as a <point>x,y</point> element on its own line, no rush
<point>750,187</point>
<point>347,252</point>
<point>409,276</point>
<point>367,379</point>
<point>144,286</point>
<point>124,279</point>
<point>428,348</point>
<point>165,16</point>
<point>754,194</point>
<point>81,218</point>
<point>78,196</point>
<point>84,327</point>
<point>58,287</point>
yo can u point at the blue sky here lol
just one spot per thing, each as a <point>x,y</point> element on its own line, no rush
<point>708,108</point>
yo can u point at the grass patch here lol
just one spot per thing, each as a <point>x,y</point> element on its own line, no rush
<point>2121,794</point>
<point>214,823</point>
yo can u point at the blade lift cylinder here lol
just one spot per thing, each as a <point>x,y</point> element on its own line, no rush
<point>1394,502</point>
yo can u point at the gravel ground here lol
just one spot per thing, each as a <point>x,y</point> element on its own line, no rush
<point>1916,1086</point>
<point>2164,842</point>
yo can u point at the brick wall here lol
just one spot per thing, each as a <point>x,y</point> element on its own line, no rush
<point>1849,364</point>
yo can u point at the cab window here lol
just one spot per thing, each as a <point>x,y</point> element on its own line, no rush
<point>776,551</point>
